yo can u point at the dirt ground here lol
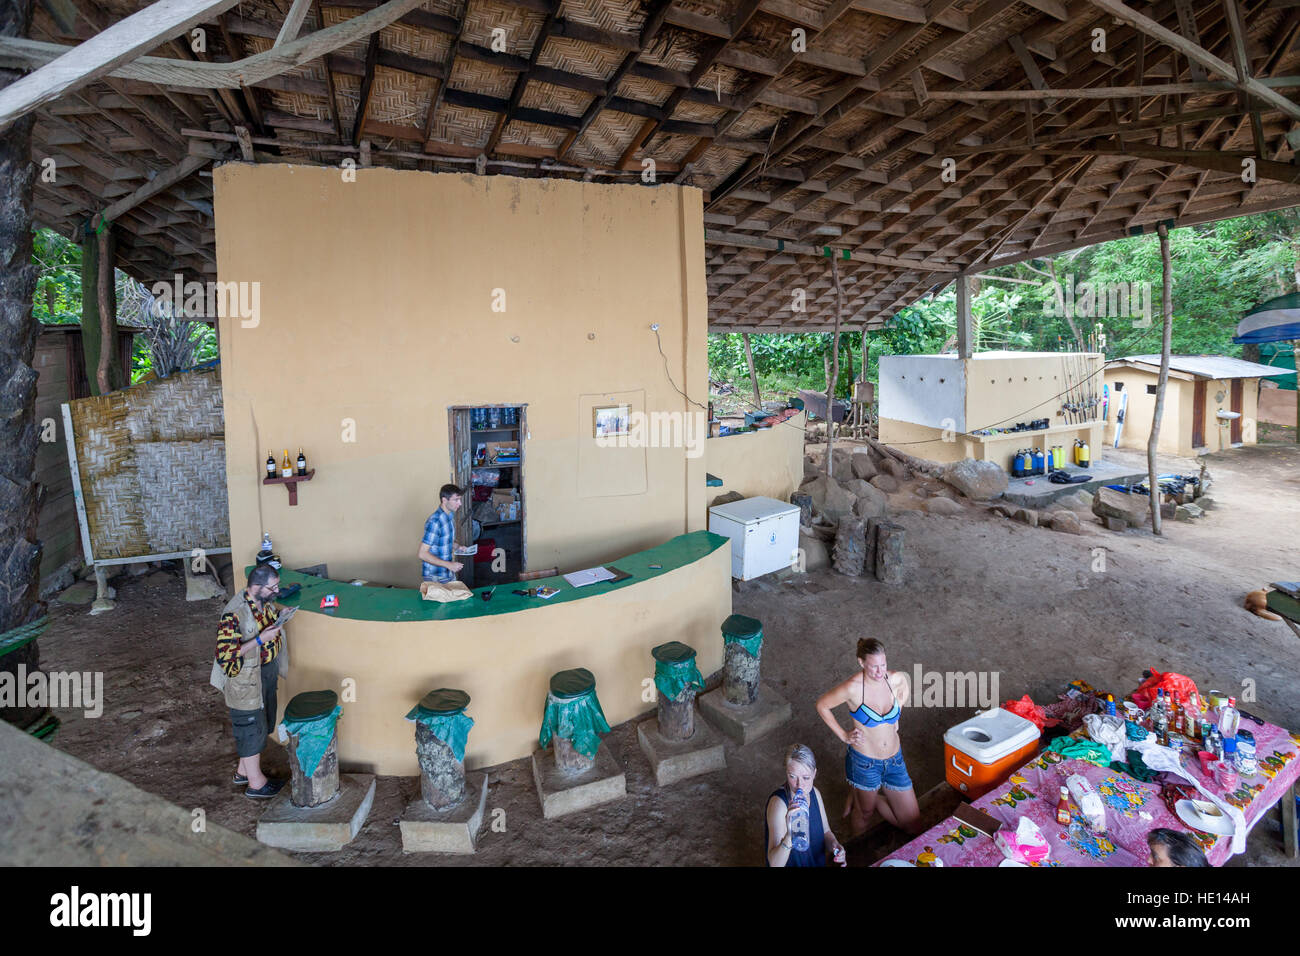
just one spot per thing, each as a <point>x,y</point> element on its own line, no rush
<point>982,593</point>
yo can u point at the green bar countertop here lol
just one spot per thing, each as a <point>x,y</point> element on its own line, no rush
<point>405,604</point>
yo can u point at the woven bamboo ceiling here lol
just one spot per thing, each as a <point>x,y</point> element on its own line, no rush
<point>919,140</point>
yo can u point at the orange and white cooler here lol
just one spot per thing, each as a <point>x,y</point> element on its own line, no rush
<point>978,754</point>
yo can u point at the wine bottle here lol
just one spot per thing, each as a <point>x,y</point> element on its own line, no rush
<point>270,464</point>
<point>302,463</point>
<point>286,470</point>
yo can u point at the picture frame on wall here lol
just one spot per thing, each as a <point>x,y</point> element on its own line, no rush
<point>609,421</point>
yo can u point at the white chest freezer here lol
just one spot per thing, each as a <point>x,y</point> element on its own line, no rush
<point>764,534</point>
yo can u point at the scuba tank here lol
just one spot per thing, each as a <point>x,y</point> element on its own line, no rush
<point>1039,462</point>
<point>1084,454</point>
<point>1018,464</point>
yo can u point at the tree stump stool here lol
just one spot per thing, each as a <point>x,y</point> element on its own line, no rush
<point>310,721</point>
<point>574,720</point>
<point>441,732</point>
<point>743,647</point>
<point>677,680</point>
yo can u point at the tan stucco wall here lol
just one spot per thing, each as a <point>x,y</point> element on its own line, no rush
<point>767,462</point>
<point>376,309</point>
<point>1003,391</point>
<point>505,662</point>
<point>1176,424</point>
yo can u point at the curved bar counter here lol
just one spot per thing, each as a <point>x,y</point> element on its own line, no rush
<point>395,647</point>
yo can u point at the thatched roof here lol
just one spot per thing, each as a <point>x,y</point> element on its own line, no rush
<point>877,135</point>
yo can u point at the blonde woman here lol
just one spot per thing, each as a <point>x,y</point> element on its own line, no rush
<point>800,769</point>
<point>874,762</point>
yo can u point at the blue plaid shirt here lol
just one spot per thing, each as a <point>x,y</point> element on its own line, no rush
<point>438,533</point>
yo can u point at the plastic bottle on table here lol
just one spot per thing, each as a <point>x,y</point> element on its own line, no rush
<point>799,822</point>
<point>1229,719</point>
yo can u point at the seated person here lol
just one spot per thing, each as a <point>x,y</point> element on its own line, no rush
<point>1172,848</point>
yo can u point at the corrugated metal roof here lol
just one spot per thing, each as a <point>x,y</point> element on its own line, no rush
<point>1212,366</point>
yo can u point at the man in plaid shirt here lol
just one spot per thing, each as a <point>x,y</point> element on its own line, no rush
<point>437,547</point>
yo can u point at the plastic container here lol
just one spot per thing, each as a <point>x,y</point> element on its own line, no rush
<point>799,822</point>
<point>1088,801</point>
<point>980,753</point>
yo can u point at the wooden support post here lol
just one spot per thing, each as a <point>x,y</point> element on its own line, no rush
<point>963,317</point>
<point>99,312</point>
<point>753,376</point>
<point>1167,309</point>
<point>1295,351</point>
<point>834,372</point>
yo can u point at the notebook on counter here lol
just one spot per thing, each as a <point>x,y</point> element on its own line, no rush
<point>580,579</point>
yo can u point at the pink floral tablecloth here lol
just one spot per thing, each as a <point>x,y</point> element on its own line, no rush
<point>1133,809</point>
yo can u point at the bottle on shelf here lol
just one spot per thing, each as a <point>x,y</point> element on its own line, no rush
<point>1063,807</point>
<point>799,822</point>
<point>302,463</point>
<point>286,470</point>
<point>270,463</point>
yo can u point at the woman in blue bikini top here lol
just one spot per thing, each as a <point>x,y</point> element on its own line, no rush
<point>874,766</point>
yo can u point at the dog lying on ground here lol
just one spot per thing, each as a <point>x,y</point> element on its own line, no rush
<point>1257,604</point>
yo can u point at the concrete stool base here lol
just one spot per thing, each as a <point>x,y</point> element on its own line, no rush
<point>426,830</point>
<point>562,793</point>
<point>674,760</point>
<point>746,724</point>
<point>330,826</point>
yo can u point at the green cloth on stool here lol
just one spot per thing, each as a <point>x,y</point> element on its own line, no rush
<point>675,669</point>
<point>314,737</point>
<point>745,631</point>
<point>1088,750</point>
<point>443,712</point>
<point>577,719</point>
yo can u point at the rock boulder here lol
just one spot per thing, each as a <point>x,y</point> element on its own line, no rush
<point>977,480</point>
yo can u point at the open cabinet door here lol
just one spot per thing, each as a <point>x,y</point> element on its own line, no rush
<point>458,422</point>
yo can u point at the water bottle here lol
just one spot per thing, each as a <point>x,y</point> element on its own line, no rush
<point>1229,719</point>
<point>799,822</point>
<point>266,549</point>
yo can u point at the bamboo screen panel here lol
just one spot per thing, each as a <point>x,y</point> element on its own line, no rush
<point>152,466</point>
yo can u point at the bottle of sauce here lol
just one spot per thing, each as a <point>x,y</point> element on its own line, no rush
<point>302,463</point>
<point>1063,807</point>
<point>286,470</point>
<point>270,464</point>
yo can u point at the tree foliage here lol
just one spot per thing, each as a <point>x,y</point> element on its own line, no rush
<point>1220,269</point>
<point>168,343</point>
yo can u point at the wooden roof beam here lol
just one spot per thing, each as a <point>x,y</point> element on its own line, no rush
<point>1195,52</point>
<point>121,42</point>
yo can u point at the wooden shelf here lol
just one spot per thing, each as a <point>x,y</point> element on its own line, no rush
<point>507,428</point>
<point>513,464</point>
<point>292,483</point>
<point>1029,436</point>
<point>497,524</point>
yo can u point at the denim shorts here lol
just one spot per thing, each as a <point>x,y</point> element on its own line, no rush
<point>868,773</point>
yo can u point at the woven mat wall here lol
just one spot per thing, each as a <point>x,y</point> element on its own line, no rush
<point>152,460</point>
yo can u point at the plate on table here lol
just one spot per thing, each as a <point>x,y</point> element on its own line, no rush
<point>1219,825</point>
<point>897,863</point>
<point>1010,862</point>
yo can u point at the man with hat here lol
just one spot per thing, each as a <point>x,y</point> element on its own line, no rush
<point>251,657</point>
